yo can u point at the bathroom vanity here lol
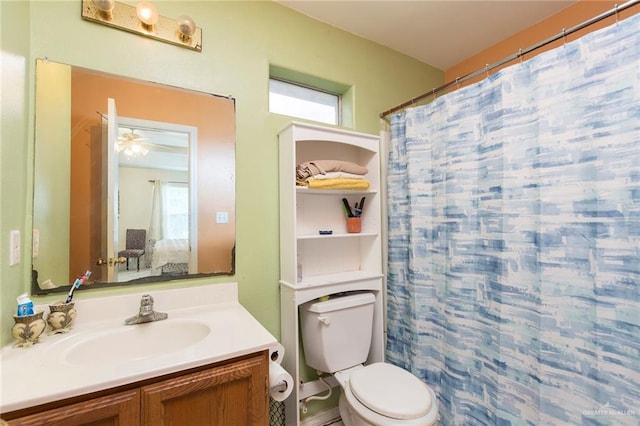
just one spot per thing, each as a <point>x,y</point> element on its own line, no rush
<point>205,364</point>
<point>237,388</point>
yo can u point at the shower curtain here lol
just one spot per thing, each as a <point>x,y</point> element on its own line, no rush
<point>514,239</point>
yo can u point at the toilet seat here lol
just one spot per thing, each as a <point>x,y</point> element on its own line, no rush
<point>390,391</point>
<point>385,382</point>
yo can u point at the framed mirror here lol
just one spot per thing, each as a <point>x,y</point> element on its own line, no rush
<point>133,180</point>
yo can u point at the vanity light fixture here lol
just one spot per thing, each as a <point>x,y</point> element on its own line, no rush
<point>143,19</point>
<point>186,28</point>
<point>147,13</point>
<point>105,8</point>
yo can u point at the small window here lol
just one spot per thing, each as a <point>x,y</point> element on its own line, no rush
<point>303,102</point>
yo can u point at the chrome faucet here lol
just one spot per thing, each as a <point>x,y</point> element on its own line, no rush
<point>146,312</point>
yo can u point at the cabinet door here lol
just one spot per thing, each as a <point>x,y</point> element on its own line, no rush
<point>121,409</point>
<point>232,394</point>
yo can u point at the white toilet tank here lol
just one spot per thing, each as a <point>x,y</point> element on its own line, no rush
<point>336,334</point>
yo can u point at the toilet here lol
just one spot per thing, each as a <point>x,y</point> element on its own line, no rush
<point>336,337</point>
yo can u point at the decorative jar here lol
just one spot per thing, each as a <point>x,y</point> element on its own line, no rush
<point>61,317</point>
<point>27,329</point>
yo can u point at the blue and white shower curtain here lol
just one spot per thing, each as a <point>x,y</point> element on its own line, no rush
<point>514,239</point>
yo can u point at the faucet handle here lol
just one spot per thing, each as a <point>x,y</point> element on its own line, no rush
<point>146,312</point>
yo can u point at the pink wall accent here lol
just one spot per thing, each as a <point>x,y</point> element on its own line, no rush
<point>567,18</point>
<point>214,118</point>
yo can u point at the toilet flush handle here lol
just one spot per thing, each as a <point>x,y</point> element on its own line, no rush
<point>324,320</point>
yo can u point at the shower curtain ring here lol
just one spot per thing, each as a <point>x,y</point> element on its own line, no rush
<point>520,54</point>
<point>564,36</point>
<point>615,10</point>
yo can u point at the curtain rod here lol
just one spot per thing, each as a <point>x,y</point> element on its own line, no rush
<point>169,181</point>
<point>487,68</point>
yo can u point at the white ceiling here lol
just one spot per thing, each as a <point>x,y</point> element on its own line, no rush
<point>440,33</point>
<point>167,150</point>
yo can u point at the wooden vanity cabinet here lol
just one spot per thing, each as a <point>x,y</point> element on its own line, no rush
<point>120,408</point>
<point>234,392</point>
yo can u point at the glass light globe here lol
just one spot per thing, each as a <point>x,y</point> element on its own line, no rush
<point>186,26</point>
<point>147,13</point>
<point>104,5</point>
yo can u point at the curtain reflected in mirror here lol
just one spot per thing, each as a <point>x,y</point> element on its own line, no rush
<point>172,158</point>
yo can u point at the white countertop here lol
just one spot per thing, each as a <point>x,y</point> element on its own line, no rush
<point>37,375</point>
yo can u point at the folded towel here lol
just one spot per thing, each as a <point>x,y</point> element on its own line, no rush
<point>329,175</point>
<point>338,183</point>
<point>336,175</point>
<point>310,168</point>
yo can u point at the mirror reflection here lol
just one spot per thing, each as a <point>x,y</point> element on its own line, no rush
<point>154,224</point>
<point>133,180</point>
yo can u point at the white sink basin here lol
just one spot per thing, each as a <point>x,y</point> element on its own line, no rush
<point>131,342</point>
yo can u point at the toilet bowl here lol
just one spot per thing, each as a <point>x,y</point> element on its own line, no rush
<point>384,395</point>
<point>336,335</point>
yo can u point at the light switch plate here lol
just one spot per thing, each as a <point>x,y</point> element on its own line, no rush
<point>14,248</point>
<point>222,217</point>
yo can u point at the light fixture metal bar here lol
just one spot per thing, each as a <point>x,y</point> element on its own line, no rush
<point>124,17</point>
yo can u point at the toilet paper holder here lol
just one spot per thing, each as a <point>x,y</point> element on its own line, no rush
<point>280,381</point>
<point>280,387</point>
<point>277,357</point>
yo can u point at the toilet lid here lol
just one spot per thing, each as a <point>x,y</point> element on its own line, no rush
<point>390,391</point>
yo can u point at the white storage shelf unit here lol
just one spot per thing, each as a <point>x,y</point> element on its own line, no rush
<point>333,263</point>
<point>323,257</point>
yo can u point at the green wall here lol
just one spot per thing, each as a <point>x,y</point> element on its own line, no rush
<point>240,41</point>
<point>15,178</point>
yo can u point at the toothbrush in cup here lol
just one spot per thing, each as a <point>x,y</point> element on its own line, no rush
<point>77,283</point>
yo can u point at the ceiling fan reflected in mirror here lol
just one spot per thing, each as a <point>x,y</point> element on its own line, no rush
<point>150,148</point>
<point>131,144</point>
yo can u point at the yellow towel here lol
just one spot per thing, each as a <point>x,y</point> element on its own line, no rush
<point>338,183</point>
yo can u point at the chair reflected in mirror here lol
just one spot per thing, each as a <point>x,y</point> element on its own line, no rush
<point>134,246</point>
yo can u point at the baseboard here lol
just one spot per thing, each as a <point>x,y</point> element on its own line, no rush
<point>322,418</point>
